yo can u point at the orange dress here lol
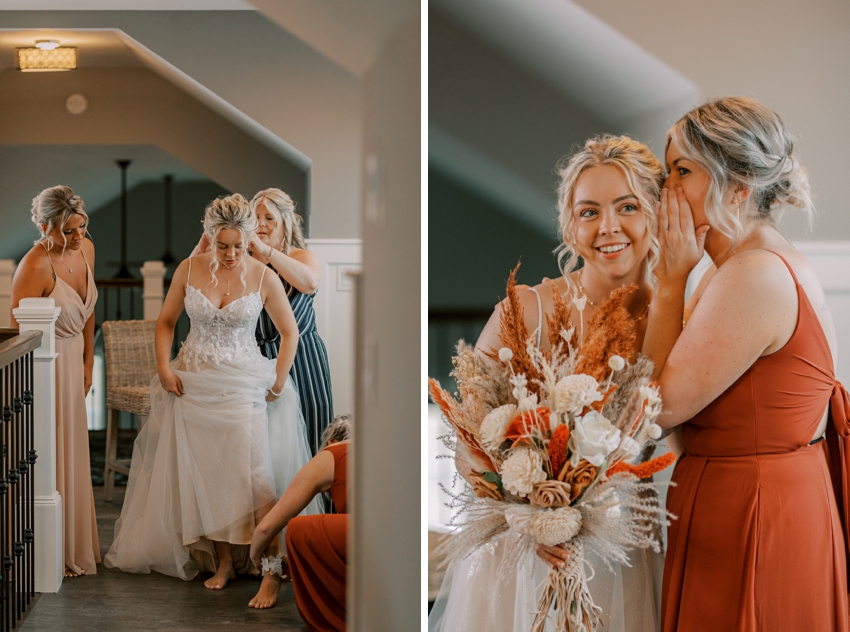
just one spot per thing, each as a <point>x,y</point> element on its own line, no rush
<point>316,548</point>
<point>759,543</point>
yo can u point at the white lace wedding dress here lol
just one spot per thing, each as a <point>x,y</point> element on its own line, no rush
<point>475,598</point>
<point>206,461</point>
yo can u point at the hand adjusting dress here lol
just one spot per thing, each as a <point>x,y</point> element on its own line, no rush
<point>310,371</point>
<point>759,543</point>
<point>73,469</point>
<point>202,465</point>
<point>317,550</point>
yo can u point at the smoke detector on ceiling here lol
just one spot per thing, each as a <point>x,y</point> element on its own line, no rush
<point>76,104</point>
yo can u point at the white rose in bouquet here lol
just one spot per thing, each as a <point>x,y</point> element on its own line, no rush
<point>495,424</point>
<point>593,438</point>
<point>521,470</point>
<point>549,527</point>
<point>574,392</point>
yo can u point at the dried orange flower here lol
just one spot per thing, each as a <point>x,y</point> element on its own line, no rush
<point>558,448</point>
<point>644,470</point>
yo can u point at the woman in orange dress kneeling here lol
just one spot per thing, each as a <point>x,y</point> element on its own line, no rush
<point>315,545</point>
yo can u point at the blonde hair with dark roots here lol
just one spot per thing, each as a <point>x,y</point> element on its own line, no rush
<point>229,211</point>
<point>54,207</point>
<point>745,145</point>
<point>277,199</point>
<point>644,174</point>
<point>338,430</point>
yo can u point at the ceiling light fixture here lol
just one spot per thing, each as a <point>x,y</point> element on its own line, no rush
<point>47,44</point>
<point>32,59</point>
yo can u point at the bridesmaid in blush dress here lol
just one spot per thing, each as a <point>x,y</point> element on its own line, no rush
<point>59,267</point>
<point>759,542</point>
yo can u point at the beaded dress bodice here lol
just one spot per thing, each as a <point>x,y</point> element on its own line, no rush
<point>218,335</point>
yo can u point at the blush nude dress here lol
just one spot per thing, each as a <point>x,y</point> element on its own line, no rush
<point>759,543</point>
<point>73,471</point>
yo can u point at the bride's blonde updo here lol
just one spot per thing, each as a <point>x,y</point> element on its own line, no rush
<point>645,176</point>
<point>743,145</point>
<point>229,211</point>
<point>54,207</point>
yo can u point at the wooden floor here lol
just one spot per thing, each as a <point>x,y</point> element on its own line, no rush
<point>112,600</point>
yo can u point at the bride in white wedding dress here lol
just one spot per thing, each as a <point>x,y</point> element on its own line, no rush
<point>607,197</point>
<point>225,428</point>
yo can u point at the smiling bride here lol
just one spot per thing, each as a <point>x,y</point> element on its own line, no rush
<point>202,473</point>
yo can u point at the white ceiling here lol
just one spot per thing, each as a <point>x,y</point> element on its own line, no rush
<point>351,34</point>
<point>560,42</point>
<point>125,5</point>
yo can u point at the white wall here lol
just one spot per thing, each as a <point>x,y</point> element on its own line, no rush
<point>334,306</point>
<point>793,56</point>
<point>385,540</point>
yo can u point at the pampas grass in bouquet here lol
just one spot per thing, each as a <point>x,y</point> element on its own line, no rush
<point>546,443</point>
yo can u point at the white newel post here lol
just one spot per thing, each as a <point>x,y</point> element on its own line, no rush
<point>7,271</point>
<point>40,314</point>
<point>152,294</point>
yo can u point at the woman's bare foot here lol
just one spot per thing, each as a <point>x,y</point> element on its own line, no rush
<point>72,573</point>
<point>223,575</point>
<point>266,597</point>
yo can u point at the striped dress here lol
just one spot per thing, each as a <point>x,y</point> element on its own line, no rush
<point>310,370</point>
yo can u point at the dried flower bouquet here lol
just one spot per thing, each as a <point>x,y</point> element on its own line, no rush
<point>546,441</point>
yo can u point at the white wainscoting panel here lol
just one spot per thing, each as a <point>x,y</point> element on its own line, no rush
<point>831,260</point>
<point>334,305</point>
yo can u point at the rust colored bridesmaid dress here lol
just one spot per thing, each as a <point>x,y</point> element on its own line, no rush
<point>316,548</point>
<point>759,543</point>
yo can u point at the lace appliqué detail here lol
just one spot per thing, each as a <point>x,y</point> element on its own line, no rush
<point>273,564</point>
<point>220,335</point>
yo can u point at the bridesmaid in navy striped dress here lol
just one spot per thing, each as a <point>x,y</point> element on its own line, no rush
<point>281,246</point>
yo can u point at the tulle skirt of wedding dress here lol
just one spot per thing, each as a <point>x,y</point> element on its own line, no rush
<point>474,598</point>
<point>203,465</point>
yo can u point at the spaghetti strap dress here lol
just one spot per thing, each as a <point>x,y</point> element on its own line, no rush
<point>73,471</point>
<point>759,542</point>
<point>317,551</point>
<point>310,371</point>
<point>207,462</point>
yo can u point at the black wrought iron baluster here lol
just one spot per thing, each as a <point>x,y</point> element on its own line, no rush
<point>18,427</point>
<point>29,452</point>
<point>14,488</point>
<point>4,496</point>
<point>32,455</point>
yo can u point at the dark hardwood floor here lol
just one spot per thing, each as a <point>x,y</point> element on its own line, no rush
<point>113,600</point>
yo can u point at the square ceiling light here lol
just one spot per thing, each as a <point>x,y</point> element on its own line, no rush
<point>38,60</point>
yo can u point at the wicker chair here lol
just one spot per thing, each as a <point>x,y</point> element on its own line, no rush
<point>130,356</point>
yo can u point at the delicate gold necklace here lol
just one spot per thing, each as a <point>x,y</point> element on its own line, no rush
<point>62,259</point>
<point>227,290</point>
<point>643,312</point>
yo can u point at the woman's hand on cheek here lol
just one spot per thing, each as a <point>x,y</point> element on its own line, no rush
<point>681,244</point>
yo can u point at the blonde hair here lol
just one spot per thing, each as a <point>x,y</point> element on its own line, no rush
<point>644,174</point>
<point>338,430</point>
<point>743,144</point>
<point>229,211</point>
<point>54,207</point>
<point>277,199</point>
